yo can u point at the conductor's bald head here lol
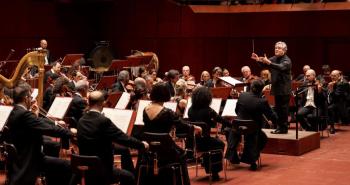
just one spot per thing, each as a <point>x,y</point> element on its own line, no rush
<point>96,98</point>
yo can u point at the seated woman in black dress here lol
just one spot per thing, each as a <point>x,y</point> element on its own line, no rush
<point>200,111</point>
<point>159,119</point>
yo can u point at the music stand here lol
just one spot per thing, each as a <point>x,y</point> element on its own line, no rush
<point>5,112</point>
<point>123,119</point>
<point>112,99</point>
<point>69,59</point>
<point>106,82</point>
<point>59,107</point>
<point>221,92</point>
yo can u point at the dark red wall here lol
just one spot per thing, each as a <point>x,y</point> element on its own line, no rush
<point>175,33</point>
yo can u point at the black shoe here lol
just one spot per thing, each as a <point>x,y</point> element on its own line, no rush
<point>215,177</point>
<point>253,167</point>
<point>332,130</point>
<point>279,131</point>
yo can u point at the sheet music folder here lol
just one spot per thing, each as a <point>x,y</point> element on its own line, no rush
<point>215,105</point>
<point>59,107</point>
<point>5,112</point>
<point>144,103</point>
<point>69,59</point>
<point>106,82</point>
<point>232,81</point>
<point>123,119</point>
<point>112,99</point>
<point>230,108</point>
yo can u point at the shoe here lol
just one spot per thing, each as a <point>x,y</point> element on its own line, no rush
<point>279,131</point>
<point>253,167</point>
<point>332,130</point>
<point>215,177</point>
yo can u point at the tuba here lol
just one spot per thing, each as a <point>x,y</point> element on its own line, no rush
<point>32,58</point>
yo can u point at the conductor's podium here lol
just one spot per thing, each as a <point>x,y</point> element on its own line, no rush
<point>287,144</point>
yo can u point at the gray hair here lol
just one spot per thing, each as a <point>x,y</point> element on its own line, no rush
<point>245,67</point>
<point>283,44</point>
<point>82,85</point>
<point>311,71</point>
<point>123,75</point>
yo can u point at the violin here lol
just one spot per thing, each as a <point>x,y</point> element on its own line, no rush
<point>250,79</point>
<point>130,86</point>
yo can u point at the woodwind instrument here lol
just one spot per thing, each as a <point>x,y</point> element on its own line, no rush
<point>32,58</point>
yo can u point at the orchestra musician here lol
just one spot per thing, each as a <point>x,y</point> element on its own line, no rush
<point>173,77</point>
<point>216,73</point>
<point>251,106</point>
<point>338,94</point>
<point>225,72</point>
<point>25,132</point>
<point>200,111</point>
<point>205,79</point>
<point>79,102</point>
<point>96,133</point>
<point>302,77</point>
<point>280,66</point>
<point>122,81</point>
<point>4,99</point>
<point>56,68</point>
<point>48,94</point>
<point>43,45</point>
<point>186,75</point>
<point>159,119</point>
<point>312,100</point>
<point>247,77</point>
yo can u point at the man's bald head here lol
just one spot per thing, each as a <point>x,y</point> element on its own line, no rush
<point>96,98</point>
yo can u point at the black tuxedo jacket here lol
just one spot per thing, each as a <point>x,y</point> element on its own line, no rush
<point>77,108</point>
<point>96,133</point>
<point>171,88</point>
<point>251,106</point>
<point>25,131</point>
<point>118,87</point>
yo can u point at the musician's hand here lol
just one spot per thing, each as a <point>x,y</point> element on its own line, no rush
<point>34,108</point>
<point>197,130</point>
<point>74,131</point>
<point>255,57</point>
<point>145,144</point>
<point>61,123</point>
<point>270,123</point>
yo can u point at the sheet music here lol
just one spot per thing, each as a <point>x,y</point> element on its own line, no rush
<point>123,101</point>
<point>120,118</point>
<point>215,104</point>
<point>139,115</point>
<point>230,108</point>
<point>35,93</point>
<point>59,107</point>
<point>5,113</point>
<point>170,105</point>
<point>189,104</point>
<point>230,80</point>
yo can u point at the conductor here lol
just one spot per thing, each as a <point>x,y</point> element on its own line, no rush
<point>280,66</point>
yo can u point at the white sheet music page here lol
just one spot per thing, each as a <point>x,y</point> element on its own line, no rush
<point>170,105</point>
<point>5,112</point>
<point>120,118</point>
<point>123,101</point>
<point>215,104</point>
<point>230,108</point>
<point>139,115</point>
<point>35,93</point>
<point>230,80</point>
<point>189,104</point>
<point>59,107</point>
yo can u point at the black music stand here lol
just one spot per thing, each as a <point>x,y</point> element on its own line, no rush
<point>106,82</point>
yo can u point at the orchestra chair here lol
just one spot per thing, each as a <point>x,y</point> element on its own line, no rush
<point>88,168</point>
<point>246,127</point>
<point>9,153</point>
<point>155,161</point>
<point>211,154</point>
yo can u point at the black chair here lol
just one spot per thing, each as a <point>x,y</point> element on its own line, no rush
<point>89,169</point>
<point>155,161</point>
<point>246,127</point>
<point>209,155</point>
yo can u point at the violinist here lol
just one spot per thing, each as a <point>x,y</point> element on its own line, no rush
<point>338,93</point>
<point>205,79</point>
<point>25,132</point>
<point>247,77</point>
<point>173,77</point>
<point>312,100</point>
<point>186,74</point>
<point>4,99</point>
<point>56,68</point>
<point>79,102</point>
<point>216,73</point>
<point>122,81</point>
<point>48,94</point>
